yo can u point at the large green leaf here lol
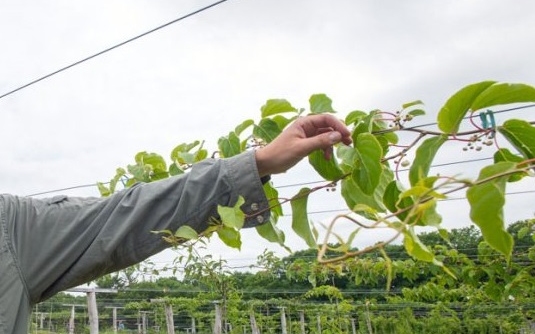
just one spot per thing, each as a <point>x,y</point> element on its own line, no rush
<point>504,93</point>
<point>229,146</point>
<point>354,196</point>
<point>364,125</point>
<point>415,247</point>
<point>486,206</point>
<point>276,106</point>
<point>521,135</point>
<point>424,157</point>
<point>504,154</point>
<point>243,126</point>
<point>320,103</point>
<point>271,233</point>
<point>267,129</point>
<point>369,169</point>
<point>272,196</point>
<point>232,216</point>
<point>186,232</point>
<point>300,223</point>
<point>452,113</point>
<point>153,159</point>
<point>420,251</point>
<point>354,117</point>
<point>230,237</point>
<point>326,168</point>
<point>394,202</point>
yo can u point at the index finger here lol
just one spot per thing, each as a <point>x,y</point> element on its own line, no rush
<point>314,122</point>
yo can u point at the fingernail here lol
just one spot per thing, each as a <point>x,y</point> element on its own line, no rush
<point>335,137</point>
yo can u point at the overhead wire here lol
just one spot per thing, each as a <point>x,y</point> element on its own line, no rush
<point>318,181</point>
<point>111,48</point>
<point>91,185</point>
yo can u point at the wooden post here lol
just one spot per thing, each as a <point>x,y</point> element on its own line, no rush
<point>254,326</point>
<point>169,319</point>
<point>70,328</point>
<point>71,321</point>
<point>92,310</point>
<point>368,319</point>
<point>353,326</point>
<point>218,326</point>
<point>284,330</point>
<point>302,321</point>
<point>114,317</point>
<point>144,321</point>
<point>193,328</point>
<point>319,323</point>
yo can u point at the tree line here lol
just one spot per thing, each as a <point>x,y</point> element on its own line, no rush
<point>381,292</point>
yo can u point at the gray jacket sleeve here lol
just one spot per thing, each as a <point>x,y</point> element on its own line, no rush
<point>63,242</point>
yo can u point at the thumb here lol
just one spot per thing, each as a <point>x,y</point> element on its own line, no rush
<point>322,141</point>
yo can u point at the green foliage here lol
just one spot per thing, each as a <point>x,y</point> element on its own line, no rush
<point>368,172</point>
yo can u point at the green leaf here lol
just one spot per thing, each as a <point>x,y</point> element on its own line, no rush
<point>232,216</point>
<point>417,112</point>
<point>272,196</point>
<point>230,237</point>
<point>416,248</point>
<point>276,106</point>
<point>486,206</point>
<point>412,104</point>
<point>271,233</point>
<point>229,146</point>
<point>174,169</point>
<point>320,103</point>
<point>364,125</point>
<point>419,251</point>
<point>521,135</point>
<point>504,93</point>
<point>282,121</point>
<point>328,169</point>
<point>267,130</point>
<point>243,126</point>
<point>184,147</point>
<point>369,154</point>
<point>155,160</point>
<point>504,154</point>
<point>201,155</point>
<point>186,232</point>
<point>424,157</point>
<point>300,223</point>
<point>394,202</point>
<point>453,112</point>
<point>103,190</point>
<point>354,117</point>
<point>353,195</point>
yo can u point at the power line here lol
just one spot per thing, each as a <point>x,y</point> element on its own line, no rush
<point>278,187</point>
<point>112,48</point>
<point>318,181</point>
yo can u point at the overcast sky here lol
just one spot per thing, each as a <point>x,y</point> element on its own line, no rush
<point>198,78</point>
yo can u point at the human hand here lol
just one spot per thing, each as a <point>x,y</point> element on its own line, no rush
<point>301,138</point>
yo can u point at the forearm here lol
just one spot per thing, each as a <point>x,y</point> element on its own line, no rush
<point>75,240</point>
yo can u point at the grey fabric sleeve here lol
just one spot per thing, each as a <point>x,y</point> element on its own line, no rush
<point>63,242</point>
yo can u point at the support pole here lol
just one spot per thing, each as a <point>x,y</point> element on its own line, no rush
<point>169,317</point>
<point>302,321</point>
<point>254,325</point>
<point>218,327</point>
<point>284,329</point>
<point>92,309</point>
